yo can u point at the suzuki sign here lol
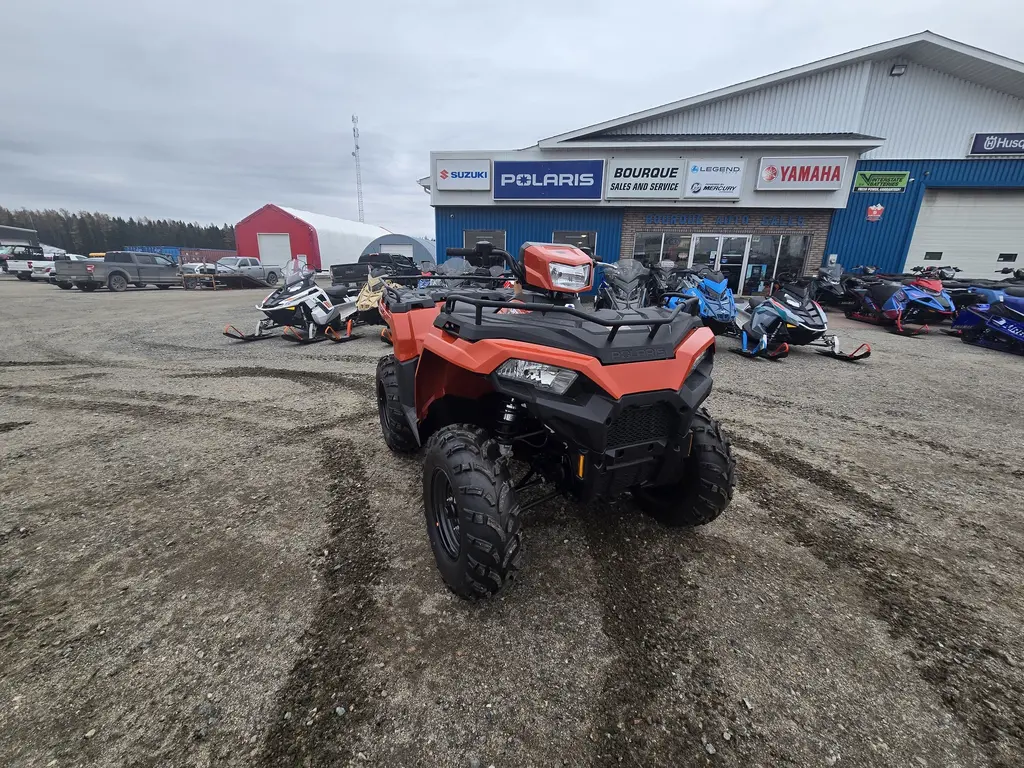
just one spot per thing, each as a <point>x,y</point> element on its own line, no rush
<point>646,178</point>
<point>462,175</point>
<point>714,180</point>
<point>548,179</point>
<point>797,174</point>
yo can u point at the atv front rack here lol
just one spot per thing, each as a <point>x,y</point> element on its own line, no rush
<point>690,306</point>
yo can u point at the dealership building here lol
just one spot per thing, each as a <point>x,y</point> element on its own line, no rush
<point>903,153</point>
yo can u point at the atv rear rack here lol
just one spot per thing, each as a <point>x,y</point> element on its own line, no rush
<point>691,306</point>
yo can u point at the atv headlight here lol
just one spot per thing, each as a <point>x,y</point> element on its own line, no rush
<point>548,377</point>
<point>568,277</point>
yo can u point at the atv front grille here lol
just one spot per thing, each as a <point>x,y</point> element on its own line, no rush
<point>641,423</point>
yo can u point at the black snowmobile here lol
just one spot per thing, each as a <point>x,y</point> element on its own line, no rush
<point>626,285</point>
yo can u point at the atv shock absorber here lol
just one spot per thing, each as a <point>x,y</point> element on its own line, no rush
<point>508,424</point>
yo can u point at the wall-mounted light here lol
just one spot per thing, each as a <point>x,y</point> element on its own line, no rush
<point>898,70</point>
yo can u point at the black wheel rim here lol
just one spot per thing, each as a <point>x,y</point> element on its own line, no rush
<point>382,407</point>
<point>445,513</point>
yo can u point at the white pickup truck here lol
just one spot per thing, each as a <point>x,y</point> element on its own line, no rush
<point>22,258</point>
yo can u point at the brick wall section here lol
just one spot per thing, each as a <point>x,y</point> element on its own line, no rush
<point>816,224</point>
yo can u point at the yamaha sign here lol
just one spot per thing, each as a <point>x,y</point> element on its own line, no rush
<point>997,144</point>
<point>462,175</point>
<point>548,179</point>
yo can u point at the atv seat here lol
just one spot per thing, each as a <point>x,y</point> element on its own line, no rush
<point>1014,291</point>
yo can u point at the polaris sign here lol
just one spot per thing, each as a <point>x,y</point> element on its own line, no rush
<point>997,144</point>
<point>462,175</point>
<point>714,179</point>
<point>645,178</point>
<point>548,179</point>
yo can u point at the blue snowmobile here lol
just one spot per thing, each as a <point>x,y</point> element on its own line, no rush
<point>997,325</point>
<point>901,305</point>
<point>716,302</point>
<point>790,315</point>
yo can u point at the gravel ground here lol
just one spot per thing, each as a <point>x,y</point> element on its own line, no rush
<point>208,557</point>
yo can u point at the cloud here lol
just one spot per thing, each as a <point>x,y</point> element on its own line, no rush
<point>208,110</point>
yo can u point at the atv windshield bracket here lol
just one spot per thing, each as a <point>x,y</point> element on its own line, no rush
<point>690,306</point>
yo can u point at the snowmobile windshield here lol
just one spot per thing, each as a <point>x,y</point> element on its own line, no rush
<point>295,272</point>
<point>628,270</point>
<point>831,272</point>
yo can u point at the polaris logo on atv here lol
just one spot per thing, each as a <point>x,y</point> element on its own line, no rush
<point>548,180</point>
<point>637,353</point>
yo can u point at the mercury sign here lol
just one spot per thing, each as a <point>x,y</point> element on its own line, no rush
<point>714,179</point>
<point>645,178</point>
<point>796,174</point>
<point>460,175</point>
<point>548,179</point>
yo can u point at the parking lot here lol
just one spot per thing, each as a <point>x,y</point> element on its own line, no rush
<point>209,557</point>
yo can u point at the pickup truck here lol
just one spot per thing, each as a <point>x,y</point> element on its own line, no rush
<point>376,264</point>
<point>21,258</point>
<point>119,269</point>
<point>236,265</point>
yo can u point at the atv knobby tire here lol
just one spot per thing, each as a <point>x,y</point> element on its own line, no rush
<point>709,476</point>
<point>466,478</point>
<point>397,432</point>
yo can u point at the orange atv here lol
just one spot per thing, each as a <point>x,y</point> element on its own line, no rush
<point>592,404</point>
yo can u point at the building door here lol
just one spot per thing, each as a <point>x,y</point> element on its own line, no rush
<point>978,230</point>
<point>724,253</point>
<point>275,249</point>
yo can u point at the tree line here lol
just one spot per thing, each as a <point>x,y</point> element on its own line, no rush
<point>85,232</point>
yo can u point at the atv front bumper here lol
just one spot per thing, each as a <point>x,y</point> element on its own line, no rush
<point>611,445</point>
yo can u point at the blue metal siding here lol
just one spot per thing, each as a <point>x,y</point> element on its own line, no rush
<point>885,243</point>
<point>171,251</point>
<point>524,224</point>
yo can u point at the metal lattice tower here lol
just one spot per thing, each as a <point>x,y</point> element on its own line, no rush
<point>359,173</point>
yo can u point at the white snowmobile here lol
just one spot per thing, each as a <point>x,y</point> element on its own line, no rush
<point>305,311</point>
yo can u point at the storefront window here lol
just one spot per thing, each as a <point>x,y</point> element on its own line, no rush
<point>496,237</point>
<point>579,239</point>
<point>647,247</point>
<point>793,254</point>
<point>676,248</point>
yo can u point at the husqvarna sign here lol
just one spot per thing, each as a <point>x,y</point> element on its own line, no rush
<point>997,144</point>
<point>462,175</point>
<point>548,179</point>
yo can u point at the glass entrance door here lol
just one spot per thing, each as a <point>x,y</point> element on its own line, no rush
<point>724,253</point>
<point>704,251</point>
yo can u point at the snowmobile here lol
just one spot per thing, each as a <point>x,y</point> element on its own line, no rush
<point>626,285</point>
<point>714,296</point>
<point>901,305</point>
<point>790,316</point>
<point>594,404</point>
<point>996,325</point>
<point>304,311</point>
<point>829,287</point>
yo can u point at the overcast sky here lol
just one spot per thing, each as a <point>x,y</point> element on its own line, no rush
<point>208,109</point>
